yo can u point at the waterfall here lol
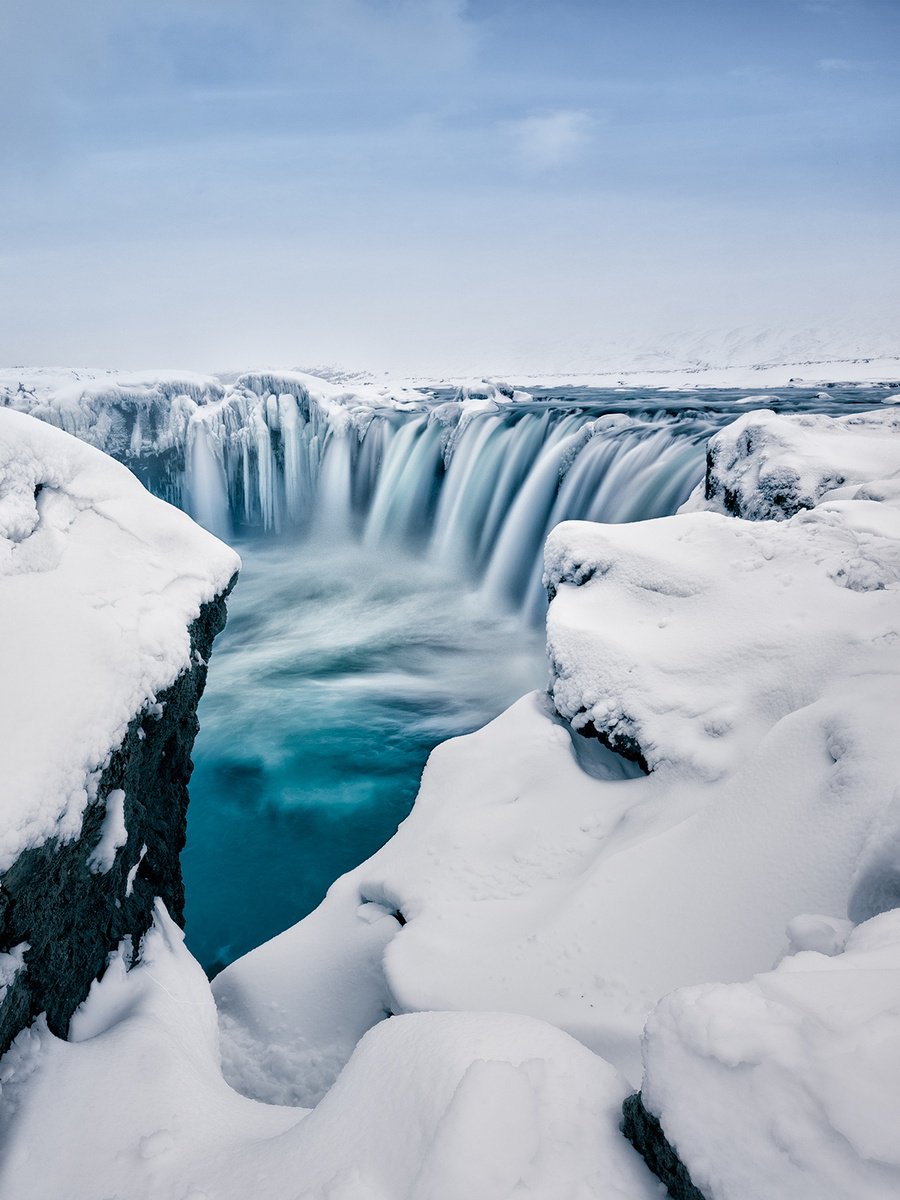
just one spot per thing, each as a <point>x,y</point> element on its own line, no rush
<point>474,485</point>
<point>473,480</point>
<point>206,490</point>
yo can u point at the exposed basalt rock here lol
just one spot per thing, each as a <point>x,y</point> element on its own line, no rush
<point>768,466</point>
<point>777,495</point>
<point>620,743</point>
<point>646,1135</point>
<point>72,917</point>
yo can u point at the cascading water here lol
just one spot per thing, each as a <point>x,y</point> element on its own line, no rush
<point>391,594</point>
<point>471,486</point>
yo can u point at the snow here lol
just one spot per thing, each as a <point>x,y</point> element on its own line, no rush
<point>677,375</point>
<point>98,406</point>
<point>100,581</point>
<point>132,874</point>
<point>113,835</point>
<point>747,356</point>
<point>787,1085</point>
<point>693,636</point>
<point>768,466</point>
<point>451,1020</point>
<point>756,667</point>
<point>432,1106</point>
<point>11,962</point>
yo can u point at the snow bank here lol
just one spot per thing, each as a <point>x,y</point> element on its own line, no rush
<point>99,582</point>
<point>787,1085</point>
<point>683,641</point>
<point>433,1106</point>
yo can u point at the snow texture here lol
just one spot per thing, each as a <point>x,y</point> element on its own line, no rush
<point>113,833</point>
<point>433,1106</point>
<point>99,582</point>
<point>765,466</point>
<point>787,1086</point>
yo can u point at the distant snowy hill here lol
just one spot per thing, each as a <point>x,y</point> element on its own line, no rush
<point>744,356</point>
<point>739,357</point>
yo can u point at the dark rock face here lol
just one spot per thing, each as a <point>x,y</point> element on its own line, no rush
<point>72,918</point>
<point>777,492</point>
<point>645,1133</point>
<point>620,743</point>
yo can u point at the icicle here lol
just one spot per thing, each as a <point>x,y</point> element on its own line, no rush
<point>207,490</point>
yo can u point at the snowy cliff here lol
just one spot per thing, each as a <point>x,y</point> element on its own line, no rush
<point>109,604</point>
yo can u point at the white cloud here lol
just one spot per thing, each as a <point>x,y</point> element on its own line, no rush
<point>838,64</point>
<point>550,139</point>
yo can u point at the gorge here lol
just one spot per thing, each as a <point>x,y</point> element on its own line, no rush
<point>392,542</point>
<point>544,893</point>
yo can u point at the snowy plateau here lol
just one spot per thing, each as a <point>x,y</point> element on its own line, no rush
<point>673,873</point>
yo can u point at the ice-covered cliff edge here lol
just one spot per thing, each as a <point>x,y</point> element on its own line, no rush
<point>109,604</point>
<point>243,449</point>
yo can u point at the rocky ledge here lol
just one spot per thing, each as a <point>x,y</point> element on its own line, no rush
<point>111,601</point>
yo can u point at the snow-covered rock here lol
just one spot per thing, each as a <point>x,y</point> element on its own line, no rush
<point>100,582</point>
<point>433,1106</point>
<point>684,640</point>
<point>787,1086</point>
<point>109,602</point>
<point>769,466</point>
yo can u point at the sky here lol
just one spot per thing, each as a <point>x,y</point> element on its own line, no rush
<point>422,185</point>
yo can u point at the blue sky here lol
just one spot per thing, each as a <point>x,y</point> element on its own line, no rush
<point>404,183</point>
